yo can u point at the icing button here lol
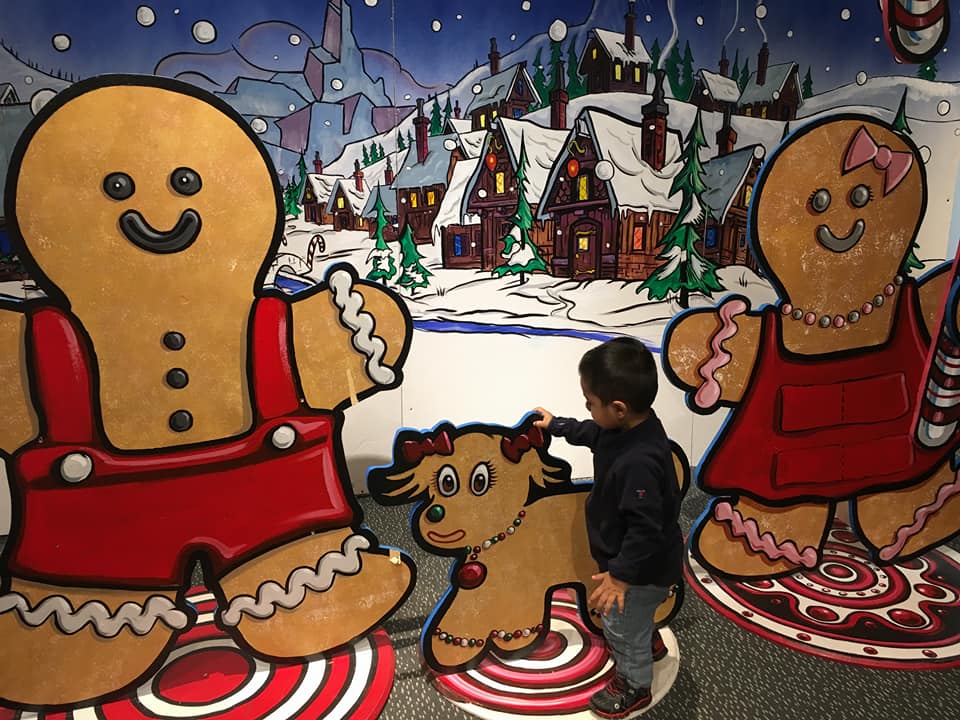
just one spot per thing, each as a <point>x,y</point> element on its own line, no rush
<point>76,467</point>
<point>174,340</point>
<point>181,421</point>
<point>283,437</point>
<point>177,378</point>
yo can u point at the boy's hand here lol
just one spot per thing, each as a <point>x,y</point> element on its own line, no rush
<point>609,593</point>
<point>545,418</point>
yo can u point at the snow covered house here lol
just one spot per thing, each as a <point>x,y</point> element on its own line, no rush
<point>615,62</point>
<point>773,92</point>
<point>8,94</point>
<point>347,199</point>
<point>729,180</point>
<point>459,235</point>
<point>316,193</point>
<point>609,195</point>
<point>492,191</point>
<point>714,92</point>
<point>387,196</point>
<point>508,93</point>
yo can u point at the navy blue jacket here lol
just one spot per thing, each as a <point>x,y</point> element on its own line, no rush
<point>634,507</point>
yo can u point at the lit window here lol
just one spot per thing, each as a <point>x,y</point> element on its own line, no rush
<point>483,120</point>
<point>618,72</point>
<point>413,200</point>
<point>493,114</point>
<point>583,242</point>
<point>636,74</point>
<point>583,188</point>
<point>339,203</point>
<point>501,183</point>
<point>748,111</point>
<point>431,197</point>
<point>747,194</point>
<point>594,54</point>
<point>638,236</point>
<point>763,111</point>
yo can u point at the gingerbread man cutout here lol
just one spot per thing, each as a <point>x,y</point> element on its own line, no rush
<point>825,385</point>
<point>160,407</point>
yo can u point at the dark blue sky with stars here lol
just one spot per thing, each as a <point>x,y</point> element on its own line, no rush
<point>836,38</point>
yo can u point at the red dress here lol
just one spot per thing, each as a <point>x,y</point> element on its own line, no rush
<point>826,427</point>
<point>141,518</point>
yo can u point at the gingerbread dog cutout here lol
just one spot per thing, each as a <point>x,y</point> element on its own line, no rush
<point>497,501</point>
<point>161,407</point>
<point>825,385</point>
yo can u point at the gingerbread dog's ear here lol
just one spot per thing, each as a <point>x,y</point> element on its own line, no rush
<point>514,448</point>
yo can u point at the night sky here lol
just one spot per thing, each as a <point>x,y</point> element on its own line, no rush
<point>837,38</point>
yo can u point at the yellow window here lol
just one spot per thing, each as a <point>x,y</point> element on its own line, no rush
<point>636,74</point>
<point>747,194</point>
<point>583,242</point>
<point>431,197</point>
<point>618,71</point>
<point>583,188</point>
<point>748,111</point>
<point>413,200</point>
<point>501,183</point>
<point>483,120</point>
<point>493,114</point>
<point>763,111</point>
<point>339,203</point>
<point>594,54</point>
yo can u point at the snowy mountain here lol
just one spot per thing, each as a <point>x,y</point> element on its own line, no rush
<point>27,81</point>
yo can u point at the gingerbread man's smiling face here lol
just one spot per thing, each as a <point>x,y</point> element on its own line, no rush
<point>837,212</point>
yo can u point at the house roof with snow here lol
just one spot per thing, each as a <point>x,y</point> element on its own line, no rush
<point>542,146</point>
<point>613,44</point>
<point>321,185</point>
<point>449,212</point>
<point>387,196</point>
<point>471,143</point>
<point>497,88</point>
<point>777,76</point>
<point>458,125</point>
<point>723,176</point>
<point>721,88</point>
<point>356,197</point>
<point>8,95</point>
<point>634,185</point>
<point>432,171</point>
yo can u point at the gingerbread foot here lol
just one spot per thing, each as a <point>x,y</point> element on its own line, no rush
<point>62,646</point>
<point>903,523</point>
<point>314,594</point>
<point>748,539</point>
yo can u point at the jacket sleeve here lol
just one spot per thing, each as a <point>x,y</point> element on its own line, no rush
<point>641,506</point>
<point>575,432</point>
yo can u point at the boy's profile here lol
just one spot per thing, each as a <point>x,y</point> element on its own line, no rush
<point>632,512</point>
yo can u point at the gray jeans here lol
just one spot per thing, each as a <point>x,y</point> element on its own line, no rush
<point>629,633</point>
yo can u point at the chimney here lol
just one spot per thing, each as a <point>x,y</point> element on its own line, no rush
<point>317,163</point>
<point>629,27</point>
<point>388,173</point>
<point>653,145</point>
<point>762,60</point>
<point>358,175</point>
<point>456,109</point>
<point>420,124</point>
<point>558,100</point>
<point>724,63</point>
<point>494,57</point>
<point>726,136</point>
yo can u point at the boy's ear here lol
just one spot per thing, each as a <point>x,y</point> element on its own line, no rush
<point>619,407</point>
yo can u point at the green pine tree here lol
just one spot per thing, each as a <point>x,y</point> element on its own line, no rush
<point>672,66</point>
<point>447,112</point>
<point>410,139</point>
<point>684,269</point>
<point>575,84</point>
<point>380,153</point>
<point>413,274</point>
<point>900,120</point>
<point>366,156</point>
<point>401,145</point>
<point>686,72</point>
<point>293,192</point>
<point>807,88</point>
<point>381,258</point>
<point>521,254</point>
<point>744,74</point>
<point>539,82</point>
<point>735,70</point>
<point>928,70</point>
<point>655,53</point>
<point>436,121</point>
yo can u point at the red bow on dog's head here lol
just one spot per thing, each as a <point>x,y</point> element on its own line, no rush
<point>514,448</point>
<point>416,450</point>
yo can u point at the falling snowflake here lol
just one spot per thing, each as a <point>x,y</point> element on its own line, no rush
<point>204,32</point>
<point>28,80</point>
<point>291,107</point>
<point>146,16</point>
<point>876,38</point>
<point>336,84</point>
<point>276,57</point>
<point>558,30</point>
<point>459,16</point>
<point>861,78</point>
<point>40,98</point>
<point>925,154</point>
<point>700,20</point>
<point>258,125</point>
<point>450,144</point>
<point>789,33</point>
<point>761,11</point>
<point>513,36</point>
<point>759,152</point>
<point>481,193</point>
<point>943,107</point>
<point>604,170</point>
<point>408,96</point>
<point>477,89</point>
<point>845,14</point>
<point>827,68</point>
<point>525,5</point>
<point>776,94</point>
<point>61,42</point>
<point>326,123</point>
<point>294,39</point>
<point>370,3</point>
<point>436,25</point>
<point>648,18</point>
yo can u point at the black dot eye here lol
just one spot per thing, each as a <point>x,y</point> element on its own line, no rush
<point>118,185</point>
<point>185,181</point>
<point>860,196</point>
<point>820,200</point>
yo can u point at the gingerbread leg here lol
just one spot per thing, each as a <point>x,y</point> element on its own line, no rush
<point>748,539</point>
<point>314,594</point>
<point>62,646</point>
<point>901,523</point>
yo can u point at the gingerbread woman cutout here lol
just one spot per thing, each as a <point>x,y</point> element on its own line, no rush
<point>160,407</point>
<point>825,385</point>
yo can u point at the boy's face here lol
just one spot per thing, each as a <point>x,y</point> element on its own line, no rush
<point>609,416</point>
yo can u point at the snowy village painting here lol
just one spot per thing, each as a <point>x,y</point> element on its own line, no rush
<point>542,172</point>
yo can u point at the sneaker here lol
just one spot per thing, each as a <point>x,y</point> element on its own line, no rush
<point>617,699</point>
<point>658,647</point>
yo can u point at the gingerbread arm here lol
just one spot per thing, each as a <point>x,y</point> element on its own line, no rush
<point>711,353</point>
<point>350,339</point>
<point>933,289</point>
<point>18,420</point>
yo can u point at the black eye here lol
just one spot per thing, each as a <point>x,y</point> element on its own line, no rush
<point>480,479</point>
<point>820,200</point>
<point>447,481</point>
<point>860,196</point>
<point>118,185</point>
<point>185,181</point>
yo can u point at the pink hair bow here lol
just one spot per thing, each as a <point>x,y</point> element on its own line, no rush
<point>895,164</point>
<point>514,448</point>
<point>416,450</point>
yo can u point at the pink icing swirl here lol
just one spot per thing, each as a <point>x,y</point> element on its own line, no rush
<point>905,532</point>
<point>708,394</point>
<point>765,543</point>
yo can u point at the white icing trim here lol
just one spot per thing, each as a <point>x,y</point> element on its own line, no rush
<point>361,324</point>
<point>271,595</point>
<point>140,618</point>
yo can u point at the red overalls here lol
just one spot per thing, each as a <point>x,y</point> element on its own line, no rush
<point>826,427</point>
<point>139,517</point>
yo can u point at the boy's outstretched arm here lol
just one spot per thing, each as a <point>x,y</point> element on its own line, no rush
<point>575,432</point>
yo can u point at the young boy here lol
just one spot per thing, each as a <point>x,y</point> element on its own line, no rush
<point>632,512</point>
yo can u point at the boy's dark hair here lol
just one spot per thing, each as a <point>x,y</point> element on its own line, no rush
<point>621,369</point>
